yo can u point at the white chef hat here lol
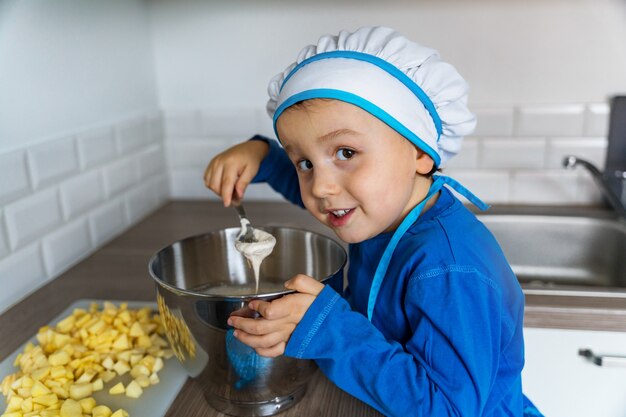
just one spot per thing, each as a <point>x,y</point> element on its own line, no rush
<point>404,84</point>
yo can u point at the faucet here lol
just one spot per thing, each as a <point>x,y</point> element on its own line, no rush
<point>605,182</point>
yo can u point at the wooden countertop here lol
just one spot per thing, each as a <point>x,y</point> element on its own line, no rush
<point>118,271</point>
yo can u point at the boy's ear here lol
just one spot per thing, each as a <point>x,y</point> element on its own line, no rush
<point>424,164</point>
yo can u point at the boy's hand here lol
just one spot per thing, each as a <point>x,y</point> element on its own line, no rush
<point>229,173</point>
<point>269,334</point>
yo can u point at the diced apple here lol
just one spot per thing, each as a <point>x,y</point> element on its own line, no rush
<point>46,400</point>
<point>80,391</point>
<point>71,408</point>
<point>107,375</point>
<point>117,389</point>
<point>101,411</point>
<point>154,378</point>
<point>38,389</point>
<point>133,390</point>
<point>87,404</point>
<point>120,413</point>
<point>97,385</point>
<point>121,367</point>
<point>14,404</point>
<point>143,381</point>
<point>136,330</point>
<point>59,358</point>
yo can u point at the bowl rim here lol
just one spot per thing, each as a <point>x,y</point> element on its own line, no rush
<point>181,291</point>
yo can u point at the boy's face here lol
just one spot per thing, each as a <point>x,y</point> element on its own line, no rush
<point>357,175</point>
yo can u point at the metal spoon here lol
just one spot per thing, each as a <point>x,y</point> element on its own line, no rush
<point>247,235</point>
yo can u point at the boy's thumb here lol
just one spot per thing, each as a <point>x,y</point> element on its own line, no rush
<point>304,284</point>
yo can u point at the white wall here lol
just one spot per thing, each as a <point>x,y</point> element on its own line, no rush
<point>221,54</point>
<point>540,73</point>
<point>66,64</point>
<point>81,138</point>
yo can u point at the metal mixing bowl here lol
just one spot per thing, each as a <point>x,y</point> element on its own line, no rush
<point>201,280</point>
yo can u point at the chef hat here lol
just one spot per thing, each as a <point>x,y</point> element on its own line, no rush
<point>404,84</point>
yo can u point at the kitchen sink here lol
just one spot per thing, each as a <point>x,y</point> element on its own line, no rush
<point>559,252</point>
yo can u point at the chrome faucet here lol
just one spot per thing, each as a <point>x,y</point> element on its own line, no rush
<point>604,181</point>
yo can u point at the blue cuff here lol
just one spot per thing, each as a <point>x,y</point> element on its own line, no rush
<point>311,322</point>
<point>270,162</point>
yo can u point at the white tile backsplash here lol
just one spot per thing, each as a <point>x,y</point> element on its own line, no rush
<point>81,193</point>
<point>597,120</point>
<point>188,184</point>
<point>21,274</point>
<point>491,186</point>
<point>588,191</point>
<point>156,128</point>
<point>96,146</point>
<point>591,149</point>
<point>240,124</point>
<point>63,198</point>
<point>494,121</point>
<point>107,221</point>
<point>120,175</point>
<point>66,246</point>
<point>132,135</point>
<point>544,187</point>
<point>183,123</point>
<point>52,161</point>
<point>4,243</point>
<point>566,120</point>
<point>68,196</point>
<point>468,156</point>
<point>31,217</point>
<point>185,153</point>
<point>13,176</point>
<point>151,162</point>
<point>522,153</point>
<point>142,200</point>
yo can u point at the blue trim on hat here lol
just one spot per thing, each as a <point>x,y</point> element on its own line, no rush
<point>386,66</point>
<point>366,105</point>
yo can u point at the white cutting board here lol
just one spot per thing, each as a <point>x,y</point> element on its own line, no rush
<point>155,400</point>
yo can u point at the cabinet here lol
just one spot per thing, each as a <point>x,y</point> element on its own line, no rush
<point>563,384</point>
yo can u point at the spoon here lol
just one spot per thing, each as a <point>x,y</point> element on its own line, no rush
<point>246,235</point>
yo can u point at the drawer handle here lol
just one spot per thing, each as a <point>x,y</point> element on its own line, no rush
<point>602,360</point>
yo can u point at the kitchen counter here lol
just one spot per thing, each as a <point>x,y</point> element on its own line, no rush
<point>118,271</point>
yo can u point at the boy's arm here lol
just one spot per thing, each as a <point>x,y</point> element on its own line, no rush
<point>448,365</point>
<point>278,171</point>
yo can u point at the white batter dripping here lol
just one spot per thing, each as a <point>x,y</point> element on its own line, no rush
<point>255,252</point>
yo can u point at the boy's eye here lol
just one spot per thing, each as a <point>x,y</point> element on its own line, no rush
<point>344,154</point>
<point>304,165</point>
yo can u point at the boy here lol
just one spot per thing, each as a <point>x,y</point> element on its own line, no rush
<point>431,323</point>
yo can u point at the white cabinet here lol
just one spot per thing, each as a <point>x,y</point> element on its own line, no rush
<point>563,384</point>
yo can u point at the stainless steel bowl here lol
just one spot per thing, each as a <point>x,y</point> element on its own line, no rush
<point>199,285</point>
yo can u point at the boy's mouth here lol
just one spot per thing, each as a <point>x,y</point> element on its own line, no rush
<point>339,217</point>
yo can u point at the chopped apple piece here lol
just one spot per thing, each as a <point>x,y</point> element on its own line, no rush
<point>133,390</point>
<point>117,389</point>
<point>71,408</point>
<point>101,411</point>
<point>80,391</point>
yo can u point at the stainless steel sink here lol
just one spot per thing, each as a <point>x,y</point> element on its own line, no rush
<point>562,252</point>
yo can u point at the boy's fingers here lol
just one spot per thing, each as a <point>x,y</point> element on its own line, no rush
<point>273,351</point>
<point>215,182</point>
<point>270,310</point>
<point>243,181</point>
<point>304,284</point>
<point>229,178</point>
<point>262,341</point>
<point>250,326</point>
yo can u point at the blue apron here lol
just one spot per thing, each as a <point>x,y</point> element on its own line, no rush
<point>413,215</point>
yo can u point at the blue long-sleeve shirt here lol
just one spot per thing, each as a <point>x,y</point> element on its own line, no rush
<point>446,334</point>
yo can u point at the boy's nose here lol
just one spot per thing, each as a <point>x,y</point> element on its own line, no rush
<point>324,183</point>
